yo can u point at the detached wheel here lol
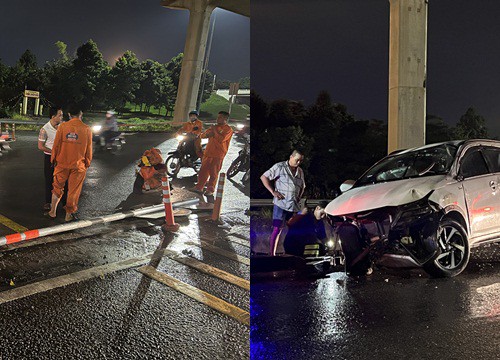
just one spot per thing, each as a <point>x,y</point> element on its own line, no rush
<point>353,247</point>
<point>454,251</point>
<point>173,165</point>
<point>234,168</point>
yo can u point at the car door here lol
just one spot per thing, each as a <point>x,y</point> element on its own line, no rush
<point>481,191</point>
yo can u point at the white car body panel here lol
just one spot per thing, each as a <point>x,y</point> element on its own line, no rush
<point>390,193</point>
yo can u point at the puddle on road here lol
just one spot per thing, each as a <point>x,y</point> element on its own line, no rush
<point>485,302</point>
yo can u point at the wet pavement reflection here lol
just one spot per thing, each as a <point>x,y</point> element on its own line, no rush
<point>391,314</point>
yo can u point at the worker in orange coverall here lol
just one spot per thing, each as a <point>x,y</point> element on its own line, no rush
<point>193,126</point>
<point>71,156</point>
<point>219,137</point>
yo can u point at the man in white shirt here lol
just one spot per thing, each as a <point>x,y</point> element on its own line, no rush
<point>287,190</point>
<point>45,142</point>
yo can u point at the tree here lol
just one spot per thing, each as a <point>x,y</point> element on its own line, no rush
<point>125,79</point>
<point>62,50</point>
<point>155,87</point>
<point>436,130</point>
<point>59,74</point>
<point>284,113</point>
<point>4,71</point>
<point>244,83</point>
<point>222,83</point>
<point>88,67</point>
<point>259,112</point>
<point>207,89</point>
<point>174,69</point>
<point>273,145</point>
<point>471,126</point>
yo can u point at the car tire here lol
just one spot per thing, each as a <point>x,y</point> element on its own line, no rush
<point>352,246</point>
<point>454,250</point>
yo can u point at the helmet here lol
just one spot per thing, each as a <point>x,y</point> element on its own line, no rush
<point>110,112</point>
<point>194,112</point>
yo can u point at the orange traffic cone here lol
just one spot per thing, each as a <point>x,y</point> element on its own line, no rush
<point>218,198</point>
<point>170,224</point>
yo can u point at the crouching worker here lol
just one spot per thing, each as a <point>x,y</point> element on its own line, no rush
<point>307,234</point>
<point>151,171</point>
<point>71,157</point>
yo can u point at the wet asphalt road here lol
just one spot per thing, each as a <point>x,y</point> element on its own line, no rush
<point>392,314</point>
<point>121,314</point>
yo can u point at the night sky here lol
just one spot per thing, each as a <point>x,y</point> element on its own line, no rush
<point>342,46</point>
<point>142,26</point>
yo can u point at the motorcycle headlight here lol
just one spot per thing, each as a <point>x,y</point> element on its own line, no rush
<point>96,128</point>
<point>330,244</point>
<point>180,138</point>
<point>240,126</point>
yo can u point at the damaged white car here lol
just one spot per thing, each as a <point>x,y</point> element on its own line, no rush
<point>431,203</point>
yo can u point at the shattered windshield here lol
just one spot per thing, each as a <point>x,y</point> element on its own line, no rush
<point>435,160</point>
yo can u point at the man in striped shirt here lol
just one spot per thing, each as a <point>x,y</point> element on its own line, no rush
<point>289,185</point>
<point>45,142</point>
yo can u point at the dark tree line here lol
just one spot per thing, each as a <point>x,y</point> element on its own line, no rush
<point>87,79</point>
<point>336,146</point>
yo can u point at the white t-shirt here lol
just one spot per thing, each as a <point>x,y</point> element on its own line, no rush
<point>47,135</point>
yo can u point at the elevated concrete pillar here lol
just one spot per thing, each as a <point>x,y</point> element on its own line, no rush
<point>194,53</point>
<point>407,73</point>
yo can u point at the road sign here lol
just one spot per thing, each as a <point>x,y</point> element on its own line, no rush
<point>32,94</point>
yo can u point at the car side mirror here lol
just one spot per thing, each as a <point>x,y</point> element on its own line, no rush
<point>347,185</point>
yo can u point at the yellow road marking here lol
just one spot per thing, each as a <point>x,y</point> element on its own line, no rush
<point>197,294</point>
<point>64,280</point>
<point>12,225</point>
<point>209,270</point>
<point>222,252</point>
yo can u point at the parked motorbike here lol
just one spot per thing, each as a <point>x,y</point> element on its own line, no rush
<point>100,142</point>
<point>151,170</point>
<point>184,156</point>
<point>241,163</point>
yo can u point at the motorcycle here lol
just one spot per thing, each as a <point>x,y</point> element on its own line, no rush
<point>184,156</point>
<point>151,170</point>
<point>100,142</point>
<point>241,163</point>
<point>242,132</point>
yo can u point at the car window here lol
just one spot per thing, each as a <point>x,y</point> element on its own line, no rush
<point>424,162</point>
<point>473,164</point>
<point>492,156</point>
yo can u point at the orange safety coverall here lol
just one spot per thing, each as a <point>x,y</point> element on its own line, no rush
<point>188,127</point>
<point>71,154</point>
<point>219,137</point>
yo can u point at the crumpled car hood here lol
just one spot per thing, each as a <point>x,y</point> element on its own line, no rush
<point>391,193</point>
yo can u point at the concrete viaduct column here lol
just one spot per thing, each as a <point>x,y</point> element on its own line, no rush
<point>407,73</point>
<point>194,53</point>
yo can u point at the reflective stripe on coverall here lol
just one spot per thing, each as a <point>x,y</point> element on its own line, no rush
<point>72,154</point>
<point>214,154</point>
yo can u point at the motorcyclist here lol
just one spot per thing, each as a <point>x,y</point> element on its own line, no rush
<point>110,128</point>
<point>194,127</point>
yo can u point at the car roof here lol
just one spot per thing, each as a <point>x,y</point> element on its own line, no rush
<point>452,142</point>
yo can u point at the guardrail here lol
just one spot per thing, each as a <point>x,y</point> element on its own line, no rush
<point>22,122</point>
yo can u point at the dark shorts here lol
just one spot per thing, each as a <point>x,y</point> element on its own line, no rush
<point>280,216</point>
